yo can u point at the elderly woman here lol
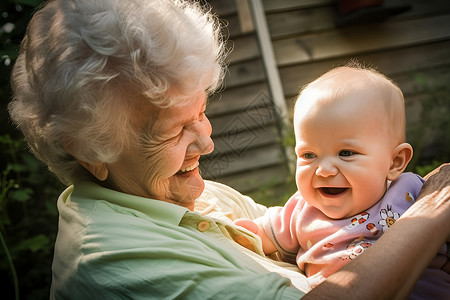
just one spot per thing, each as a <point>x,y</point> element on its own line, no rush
<point>111,95</point>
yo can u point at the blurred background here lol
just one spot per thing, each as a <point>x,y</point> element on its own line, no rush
<point>277,47</point>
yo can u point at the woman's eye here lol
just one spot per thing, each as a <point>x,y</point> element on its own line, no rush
<point>346,153</point>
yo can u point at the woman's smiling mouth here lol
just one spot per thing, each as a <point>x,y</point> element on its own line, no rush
<point>187,169</point>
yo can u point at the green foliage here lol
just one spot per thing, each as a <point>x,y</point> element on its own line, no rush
<point>425,169</point>
<point>28,192</point>
<point>429,137</point>
<point>28,220</point>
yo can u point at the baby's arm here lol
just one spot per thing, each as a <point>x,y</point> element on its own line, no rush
<point>256,227</point>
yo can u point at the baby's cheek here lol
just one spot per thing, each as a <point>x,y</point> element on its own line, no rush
<point>302,180</point>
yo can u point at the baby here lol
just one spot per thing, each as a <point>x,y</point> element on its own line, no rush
<point>351,153</point>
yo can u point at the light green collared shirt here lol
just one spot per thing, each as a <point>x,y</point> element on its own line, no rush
<point>112,245</point>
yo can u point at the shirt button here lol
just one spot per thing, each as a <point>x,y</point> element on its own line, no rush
<point>203,226</point>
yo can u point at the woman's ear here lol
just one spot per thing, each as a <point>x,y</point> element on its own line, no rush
<point>99,170</point>
<point>400,159</point>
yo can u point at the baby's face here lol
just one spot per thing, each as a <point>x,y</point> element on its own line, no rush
<point>343,153</point>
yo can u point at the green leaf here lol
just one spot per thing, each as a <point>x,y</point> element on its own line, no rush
<point>22,194</point>
<point>32,3</point>
<point>51,208</point>
<point>32,162</point>
<point>18,168</point>
<point>5,139</point>
<point>9,51</point>
<point>35,243</point>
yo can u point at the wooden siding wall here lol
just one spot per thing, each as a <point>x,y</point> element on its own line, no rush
<point>248,149</point>
<point>413,48</point>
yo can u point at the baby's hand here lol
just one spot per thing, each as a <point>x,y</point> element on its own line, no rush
<point>247,224</point>
<point>252,226</point>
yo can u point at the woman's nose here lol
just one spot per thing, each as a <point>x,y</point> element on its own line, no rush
<point>203,143</point>
<point>326,168</point>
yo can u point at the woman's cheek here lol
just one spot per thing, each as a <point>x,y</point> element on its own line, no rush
<point>169,157</point>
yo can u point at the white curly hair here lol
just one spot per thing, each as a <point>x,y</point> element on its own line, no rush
<point>83,61</point>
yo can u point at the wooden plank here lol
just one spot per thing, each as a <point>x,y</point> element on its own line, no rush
<point>420,7</point>
<point>223,8</point>
<point>307,20</point>
<point>388,62</point>
<point>269,61</point>
<point>230,20</point>
<point>361,39</point>
<point>411,82</point>
<point>230,26</point>
<point>272,6</point>
<point>226,164</point>
<point>238,99</point>
<point>245,16</point>
<point>244,48</point>
<point>239,142</point>
<point>247,120</point>
<point>300,21</point>
<point>254,179</point>
<point>244,73</point>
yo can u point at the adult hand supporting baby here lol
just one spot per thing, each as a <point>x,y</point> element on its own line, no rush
<point>439,186</point>
<point>434,186</point>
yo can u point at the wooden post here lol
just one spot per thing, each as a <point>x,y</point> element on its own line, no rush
<point>273,76</point>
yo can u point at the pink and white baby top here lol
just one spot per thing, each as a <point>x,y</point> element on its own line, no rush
<point>320,245</point>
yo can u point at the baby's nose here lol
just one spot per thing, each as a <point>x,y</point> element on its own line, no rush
<point>326,168</point>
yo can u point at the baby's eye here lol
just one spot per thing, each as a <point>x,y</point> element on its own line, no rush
<point>346,153</point>
<point>309,156</point>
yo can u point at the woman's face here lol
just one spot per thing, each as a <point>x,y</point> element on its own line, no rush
<point>163,163</point>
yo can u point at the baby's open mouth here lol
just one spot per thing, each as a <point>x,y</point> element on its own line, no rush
<point>332,190</point>
<point>187,169</point>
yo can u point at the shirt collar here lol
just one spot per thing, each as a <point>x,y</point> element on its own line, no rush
<point>155,209</point>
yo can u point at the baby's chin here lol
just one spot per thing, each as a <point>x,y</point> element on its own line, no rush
<point>336,213</point>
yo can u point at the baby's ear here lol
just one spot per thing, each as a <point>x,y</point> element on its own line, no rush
<point>400,159</point>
